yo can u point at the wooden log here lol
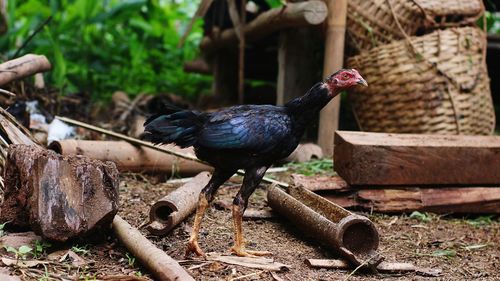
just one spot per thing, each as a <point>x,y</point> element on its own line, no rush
<point>333,61</point>
<point>293,15</point>
<point>161,265</point>
<point>406,159</point>
<point>172,209</point>
<point>59,197</point>
<point>353,236</point>
<point>22,67</point>
<point>132,158</point>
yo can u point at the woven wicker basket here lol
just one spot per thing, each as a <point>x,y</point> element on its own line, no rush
<point>436,83</point>
<point>373,23</point>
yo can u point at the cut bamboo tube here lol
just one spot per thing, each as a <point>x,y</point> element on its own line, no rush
<point>353,236</point>
<point>161,265</point>
<point>22,67</point>
<point>172,209</point>
<point>132,158</point>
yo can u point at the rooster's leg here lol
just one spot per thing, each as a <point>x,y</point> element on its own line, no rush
<point>252,179</point>
<point>206,196</point>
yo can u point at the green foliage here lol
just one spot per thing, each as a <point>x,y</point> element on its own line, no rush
<point>82,250</point>
<point>314,167</point>
<point>480,221</point>
<point>275,3</point>
<point>444,253</point>
<point>492,22</point>
<point>40,247</point>
<point>2,231</point>
<point>20,253</point>
<point>423,217</point>
<point>101,46</point>
<point>131,259</point>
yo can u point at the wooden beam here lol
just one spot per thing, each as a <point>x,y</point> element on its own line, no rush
<point>333,60</point>
<point>407,159</point>
<point>292,15</point>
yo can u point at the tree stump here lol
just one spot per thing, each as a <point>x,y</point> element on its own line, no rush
<point>59,197</point>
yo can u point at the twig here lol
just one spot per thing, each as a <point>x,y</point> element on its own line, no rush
<point>38,29</point>
<point>11,94</point>
<point>248,275</point>
<point>152,146</point>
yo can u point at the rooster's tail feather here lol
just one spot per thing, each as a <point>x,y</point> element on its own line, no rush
<point>181,128</point>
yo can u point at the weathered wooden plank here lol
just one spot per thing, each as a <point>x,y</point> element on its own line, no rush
<point>438,200</point>
<point>406,159</point>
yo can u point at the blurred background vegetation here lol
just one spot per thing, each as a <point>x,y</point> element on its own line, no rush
<point>100,46</point>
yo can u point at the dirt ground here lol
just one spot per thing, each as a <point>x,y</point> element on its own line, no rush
<point>464,248</point>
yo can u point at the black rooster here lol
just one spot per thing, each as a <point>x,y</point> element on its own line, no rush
<point>249,137</point>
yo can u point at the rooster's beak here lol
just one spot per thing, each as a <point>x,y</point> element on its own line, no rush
<point>363,82</point>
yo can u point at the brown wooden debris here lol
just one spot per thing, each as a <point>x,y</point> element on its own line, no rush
<point>383,267</point>
<point>22,67</point>
<point>131,158</point>
<point>253,214</point>
<point>58,197</point>
<point>172,209</point>
<point>353,236</point>
<point>406,159</point>
<point>161,265</point>
<point>259,262</point>
<point>437,200</point>
<point>393,199</point>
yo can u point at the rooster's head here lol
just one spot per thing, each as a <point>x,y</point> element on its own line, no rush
<point>343,80</point>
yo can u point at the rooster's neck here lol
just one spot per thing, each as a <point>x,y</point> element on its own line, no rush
<point>312,102</point>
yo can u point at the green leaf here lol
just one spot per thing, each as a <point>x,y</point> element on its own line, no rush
<point>444,253</point>
<point>23,250</point>
<point>423,217</point>
<point>11,249</point>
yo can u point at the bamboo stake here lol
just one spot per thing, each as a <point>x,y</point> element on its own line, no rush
<point>334,56</point>
<point>161,265</point>
<point>152,146</point>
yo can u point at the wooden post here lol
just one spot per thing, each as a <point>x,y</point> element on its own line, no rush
<point>296,66</point>
<point>225,73</point>
<point>334,55</point>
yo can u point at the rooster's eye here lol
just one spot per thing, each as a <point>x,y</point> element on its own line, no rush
<point>345,76</point>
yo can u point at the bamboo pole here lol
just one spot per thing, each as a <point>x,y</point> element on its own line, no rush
<point>157,261</point>
<point>131,158</point>
<point>333,60</point>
